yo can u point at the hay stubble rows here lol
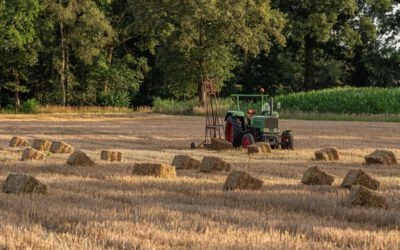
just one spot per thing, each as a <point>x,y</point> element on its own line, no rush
<point>105,206</point>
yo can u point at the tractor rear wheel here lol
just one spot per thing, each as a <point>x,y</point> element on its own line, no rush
<point>287,140</point>
<point>247,139</point>
<point>233,131</point>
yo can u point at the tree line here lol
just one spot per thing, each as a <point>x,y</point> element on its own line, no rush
<point>126,52</point>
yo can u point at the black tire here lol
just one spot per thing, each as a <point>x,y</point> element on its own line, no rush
<point>236,130</point>
<point>287,140</point>
<point>250,139</point>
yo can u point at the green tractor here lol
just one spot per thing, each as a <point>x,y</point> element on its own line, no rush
<point>256,126</point>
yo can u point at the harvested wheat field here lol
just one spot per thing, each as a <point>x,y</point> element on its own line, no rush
<point>105,206</point>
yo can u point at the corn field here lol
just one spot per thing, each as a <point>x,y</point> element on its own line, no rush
<point>348,100</point>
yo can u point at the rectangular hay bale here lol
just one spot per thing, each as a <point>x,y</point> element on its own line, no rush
<point>107,155</point>
<point>154,169</point>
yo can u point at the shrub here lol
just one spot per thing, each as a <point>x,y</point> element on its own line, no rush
<point>31,106</point>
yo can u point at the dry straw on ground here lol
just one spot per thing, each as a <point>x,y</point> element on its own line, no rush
<point>80,158</point>
<point>220,144</point>
<point>108,208</point>
<point>21,183</point>
<point>18,142</point>
<point>107,155</point>
<point>41,144</point>
<point>327,154</point>
<point>315,176</point>
<point>242,181</point>
<point>185,162</point>
<point>381,157</point>
<point>32,154</point>
<point>154,169</point>
<point>362,196</point>
<point>213,164</point>
<point>60,147</point>
<point>359,177</point>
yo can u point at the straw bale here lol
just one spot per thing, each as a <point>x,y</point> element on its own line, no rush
<point>315,176</point>
<point>381,157</point>
<point>80,158</point>
<point>32,154</point>
<point>265,147</point>
<point>185,162</point>
<point>243,181</point>
<point>21,183</point>
<point>254,149</point>
<point>18,142</point>
<point>60,147</point>
<point>154,169</point>
<point>107,155</point>
<point>327,154</point>
<point>359,177</point>
<point>362,196</point>
<point>41,144</point>
<point>213,164</point>
<point>220,144</point>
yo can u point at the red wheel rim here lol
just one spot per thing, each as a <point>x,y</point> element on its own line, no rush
<point>229,132</point>
<point>245,142</point>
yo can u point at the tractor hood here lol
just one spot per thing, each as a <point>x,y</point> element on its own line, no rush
<point>266,124</point>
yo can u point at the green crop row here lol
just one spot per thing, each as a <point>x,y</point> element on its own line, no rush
<point>347,100</point>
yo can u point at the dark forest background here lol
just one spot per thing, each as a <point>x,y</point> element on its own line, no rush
<point>128,52</point>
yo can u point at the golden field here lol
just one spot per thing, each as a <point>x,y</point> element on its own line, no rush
<point>105,207</point>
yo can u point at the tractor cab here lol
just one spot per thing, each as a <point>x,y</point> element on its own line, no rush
<point>252,122</point>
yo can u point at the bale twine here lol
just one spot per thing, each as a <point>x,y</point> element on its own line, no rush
<point>220,144</point>
<point>18,142</point>
<point>315,176</point>
<point>21,183</point>
<point>359,177</point>
<point>185,162</point>
<point>80,158</point>
<point>32,154</point>
<point>60,147</point>
<point>242,181</point>
<point>327,154</point>
<point>154,169</point>
<point>41,144</point>
<point>362,196</point>
<point>213,164</point>
<point>381,157</point>
<point>107,155</point>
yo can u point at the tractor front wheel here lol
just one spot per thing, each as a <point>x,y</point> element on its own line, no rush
<point>233,130</point>
<point>247,139</point>
<point>287,140</point>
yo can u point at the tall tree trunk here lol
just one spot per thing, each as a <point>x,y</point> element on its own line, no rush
<point>309,45</point>
<point>109,60</point>
<point>63,66</point>
<point>17,83</point>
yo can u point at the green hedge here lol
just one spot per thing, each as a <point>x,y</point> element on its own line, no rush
<point>347,100</point>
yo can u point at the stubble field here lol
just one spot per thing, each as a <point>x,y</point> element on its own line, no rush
<point>105,207</point>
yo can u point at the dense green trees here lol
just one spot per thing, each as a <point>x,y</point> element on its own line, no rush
<point>124,52</point>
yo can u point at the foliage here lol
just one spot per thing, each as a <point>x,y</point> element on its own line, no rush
<point>127,53</point>
<point>30,106</point>
<point>201,37</point>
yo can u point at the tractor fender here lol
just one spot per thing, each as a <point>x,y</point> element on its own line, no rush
<point>234,113</point>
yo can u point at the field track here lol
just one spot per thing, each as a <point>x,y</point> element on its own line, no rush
<point>106,207</point>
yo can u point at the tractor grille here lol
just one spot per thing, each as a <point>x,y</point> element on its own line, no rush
<point>271,122</point>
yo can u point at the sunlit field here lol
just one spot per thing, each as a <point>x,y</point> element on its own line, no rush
<point>105,207</point>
